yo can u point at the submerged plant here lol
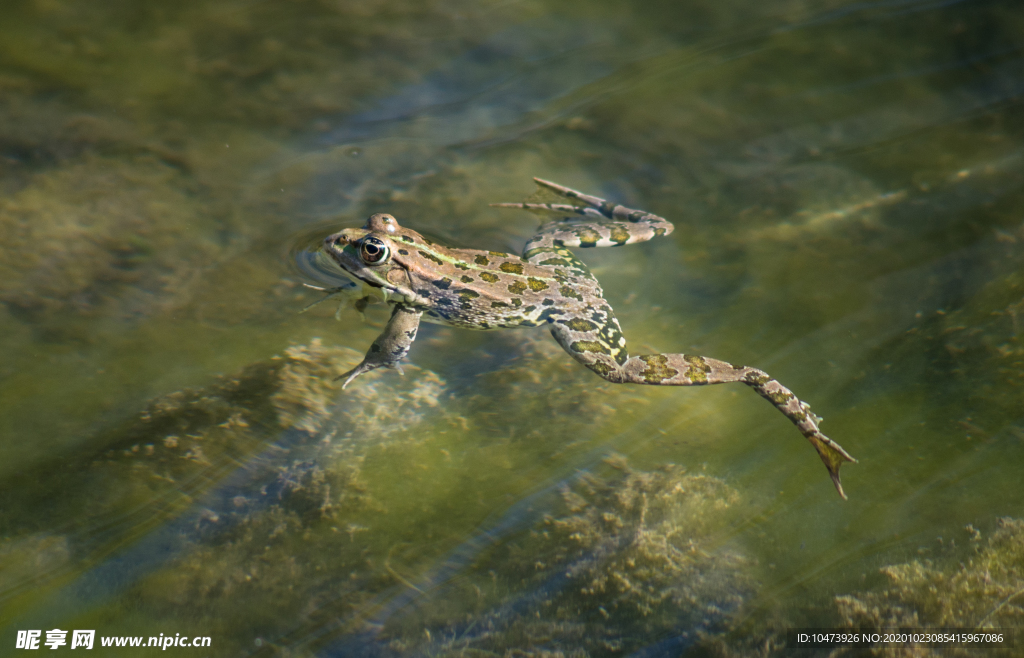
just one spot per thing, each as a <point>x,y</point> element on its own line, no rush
<point>985,591</point>
<point>626,561</point>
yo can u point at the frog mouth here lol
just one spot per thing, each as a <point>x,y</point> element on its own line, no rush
<point>322,266</point>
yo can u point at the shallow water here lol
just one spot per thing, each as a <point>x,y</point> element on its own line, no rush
<point>846,184</point>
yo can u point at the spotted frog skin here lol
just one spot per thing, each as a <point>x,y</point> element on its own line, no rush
<point>547,285</point>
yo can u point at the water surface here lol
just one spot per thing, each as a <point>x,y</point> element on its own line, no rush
<point>845,180</point>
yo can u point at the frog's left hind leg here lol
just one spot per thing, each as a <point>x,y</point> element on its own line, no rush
<point>588,221</point>
<point>391,346</point>
<point>612,363</point>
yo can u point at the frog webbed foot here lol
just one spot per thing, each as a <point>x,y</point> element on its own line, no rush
<point>366,365</point>
<point>391,346</point>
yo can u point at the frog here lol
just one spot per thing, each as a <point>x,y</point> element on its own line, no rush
<point>423,281</point>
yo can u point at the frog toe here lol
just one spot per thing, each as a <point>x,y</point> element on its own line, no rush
<point>354,372</point>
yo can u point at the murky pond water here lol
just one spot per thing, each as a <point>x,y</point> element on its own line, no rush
<point>847,185</point>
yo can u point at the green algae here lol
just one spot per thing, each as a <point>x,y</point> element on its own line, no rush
<point>967,582</point>
<point>153,467</point>
<point>101,237</point>
<point>622,561</point>
<point>983,589</point>
<point>263,65</point>
<point>336,499</point>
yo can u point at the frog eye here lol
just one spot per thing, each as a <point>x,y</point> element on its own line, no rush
<point>373,251</point>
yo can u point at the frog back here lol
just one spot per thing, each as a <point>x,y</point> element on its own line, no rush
<point>479,289</point>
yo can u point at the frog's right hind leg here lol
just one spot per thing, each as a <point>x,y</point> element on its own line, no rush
<point>593,347</point>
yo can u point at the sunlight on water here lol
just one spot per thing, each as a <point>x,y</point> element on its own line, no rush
<point>846,185</point>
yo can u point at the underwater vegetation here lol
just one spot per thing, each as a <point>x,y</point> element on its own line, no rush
<point>176,453</point>
<point>104,236</point>
<point>983,589</point>
<point>616,560</point>
<point>624,560</point>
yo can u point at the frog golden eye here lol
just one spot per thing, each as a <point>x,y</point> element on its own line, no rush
<point>373,251</point>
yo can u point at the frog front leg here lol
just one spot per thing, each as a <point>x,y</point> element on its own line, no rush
<point>589,346</point>
<point>391,345</point>
<point>352,297</point>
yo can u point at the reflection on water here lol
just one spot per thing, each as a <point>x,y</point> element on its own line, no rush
<point>845,179</point>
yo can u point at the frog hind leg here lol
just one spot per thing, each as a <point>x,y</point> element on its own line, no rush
<point>588,221</point>
<point>391,346</point>
<point>594,338</point>
<point>609,359</point>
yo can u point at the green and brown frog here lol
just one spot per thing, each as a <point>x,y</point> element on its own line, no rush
<point>547,285</point>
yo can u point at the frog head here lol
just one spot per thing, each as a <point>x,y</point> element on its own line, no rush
<point>381,256</point>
